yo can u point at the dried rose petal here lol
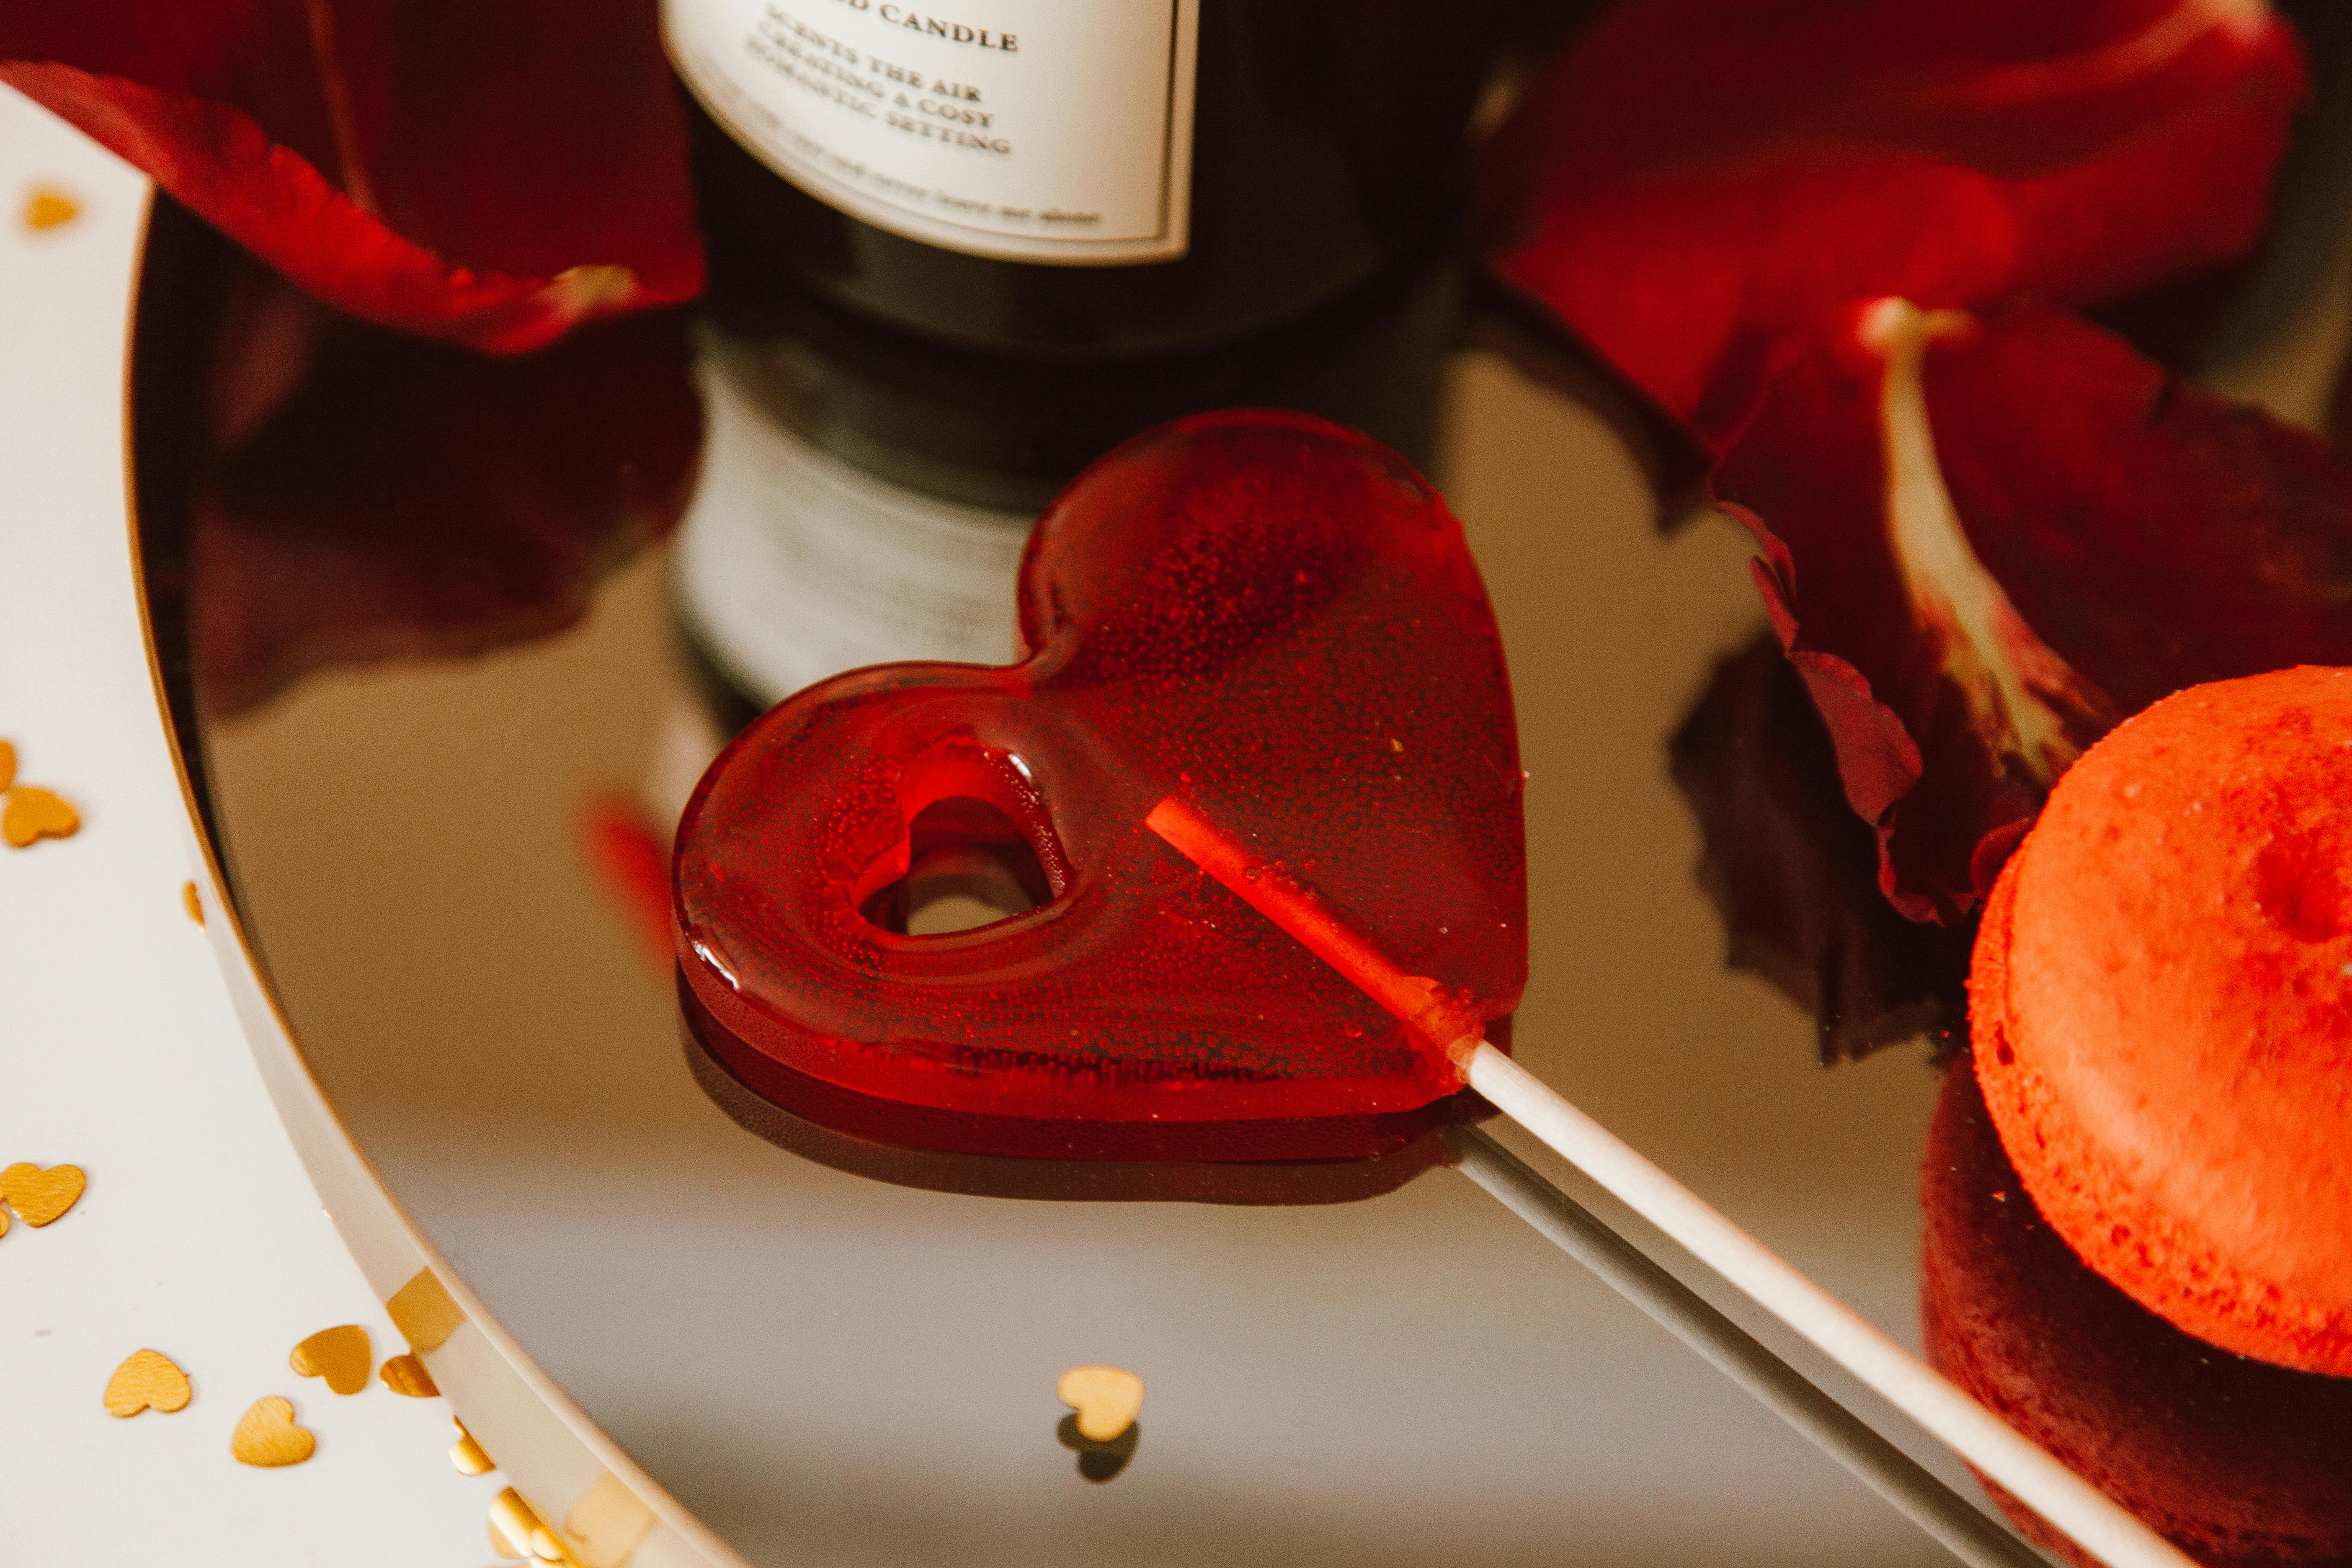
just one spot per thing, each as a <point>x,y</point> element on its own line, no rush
<point>1987,540</point>
<point>490,175</point>
<point>1695,181</point>
<point>1795,874</point>
<point>371,495</point>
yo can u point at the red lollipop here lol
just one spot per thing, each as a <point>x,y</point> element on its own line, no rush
<point>1269,617</point>
<point>1258,771</point>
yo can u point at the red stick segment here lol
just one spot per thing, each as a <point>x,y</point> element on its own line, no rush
<point>1421,1003</point>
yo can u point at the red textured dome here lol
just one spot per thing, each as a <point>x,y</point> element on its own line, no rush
<point>2161,1006</point>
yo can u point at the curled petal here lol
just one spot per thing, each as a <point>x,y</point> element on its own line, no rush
<point>1983,546</point>
<point>1794,875</point>
<point>491,175</point>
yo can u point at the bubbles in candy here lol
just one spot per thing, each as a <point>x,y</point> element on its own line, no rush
<point>1268,616</point>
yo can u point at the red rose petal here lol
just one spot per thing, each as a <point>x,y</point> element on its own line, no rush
<point>1794,875</point>
<point>2156,535</point>
<point>2137,536</point>
<point>1706,177</point>
<point>492,175</point>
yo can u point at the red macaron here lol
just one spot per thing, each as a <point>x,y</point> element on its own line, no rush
<point>2160,1002</point>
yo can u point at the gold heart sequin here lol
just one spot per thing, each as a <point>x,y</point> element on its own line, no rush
<point>605,1526</point>
<point>340,1354</point>
<point>516,1528</point>
<point>147,1380</point>
<point>466,1454</point>
<point>47,206</point>
<point>266,1436</point>
<point>39,1196</point>
<point>424,1311</point>
<point>33,813</point>
<point>406,1375</point>
<point>1107,1399</point>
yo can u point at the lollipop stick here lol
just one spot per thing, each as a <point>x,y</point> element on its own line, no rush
<point>2094,1521</point>
<point>1960,1527</point>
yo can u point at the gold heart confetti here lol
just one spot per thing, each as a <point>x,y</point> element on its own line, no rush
<point>190,903</point>
<point>605,1526</point>
<point>39,1196</point>
<point>7,765</point>
<point>1106,1398</point>
<point>49,208</point>
<point>406,1375</point>
<point>147,1380</point>
<point>340,1354</point>
<point>466,1454</point>
<point>33,813</point>
<point>424,1311</point>
<point>266,1436</point>
<point>515,1525</point>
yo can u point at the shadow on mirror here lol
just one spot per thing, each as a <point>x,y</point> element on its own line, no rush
<point>1098,1462</point>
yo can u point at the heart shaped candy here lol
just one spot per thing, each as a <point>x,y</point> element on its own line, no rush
<point>1270,616</point>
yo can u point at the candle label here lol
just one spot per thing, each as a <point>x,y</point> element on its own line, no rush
<point>1043,131</point>
<point>794,565</point>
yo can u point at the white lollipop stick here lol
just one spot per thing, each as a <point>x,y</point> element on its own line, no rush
<point>1961,1528</point>
<point>2023,1468</point>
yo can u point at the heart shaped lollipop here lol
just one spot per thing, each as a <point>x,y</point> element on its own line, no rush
<point>1259,772</point>
<point>1274,620</point>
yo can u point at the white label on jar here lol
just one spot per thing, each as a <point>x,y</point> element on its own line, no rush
<point>792,565</point>
<point>1051,131</point>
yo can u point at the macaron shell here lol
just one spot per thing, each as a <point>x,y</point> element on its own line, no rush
<point>2161,1003</point>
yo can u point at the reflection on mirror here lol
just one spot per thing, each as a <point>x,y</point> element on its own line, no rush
<point>889,1142</point>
